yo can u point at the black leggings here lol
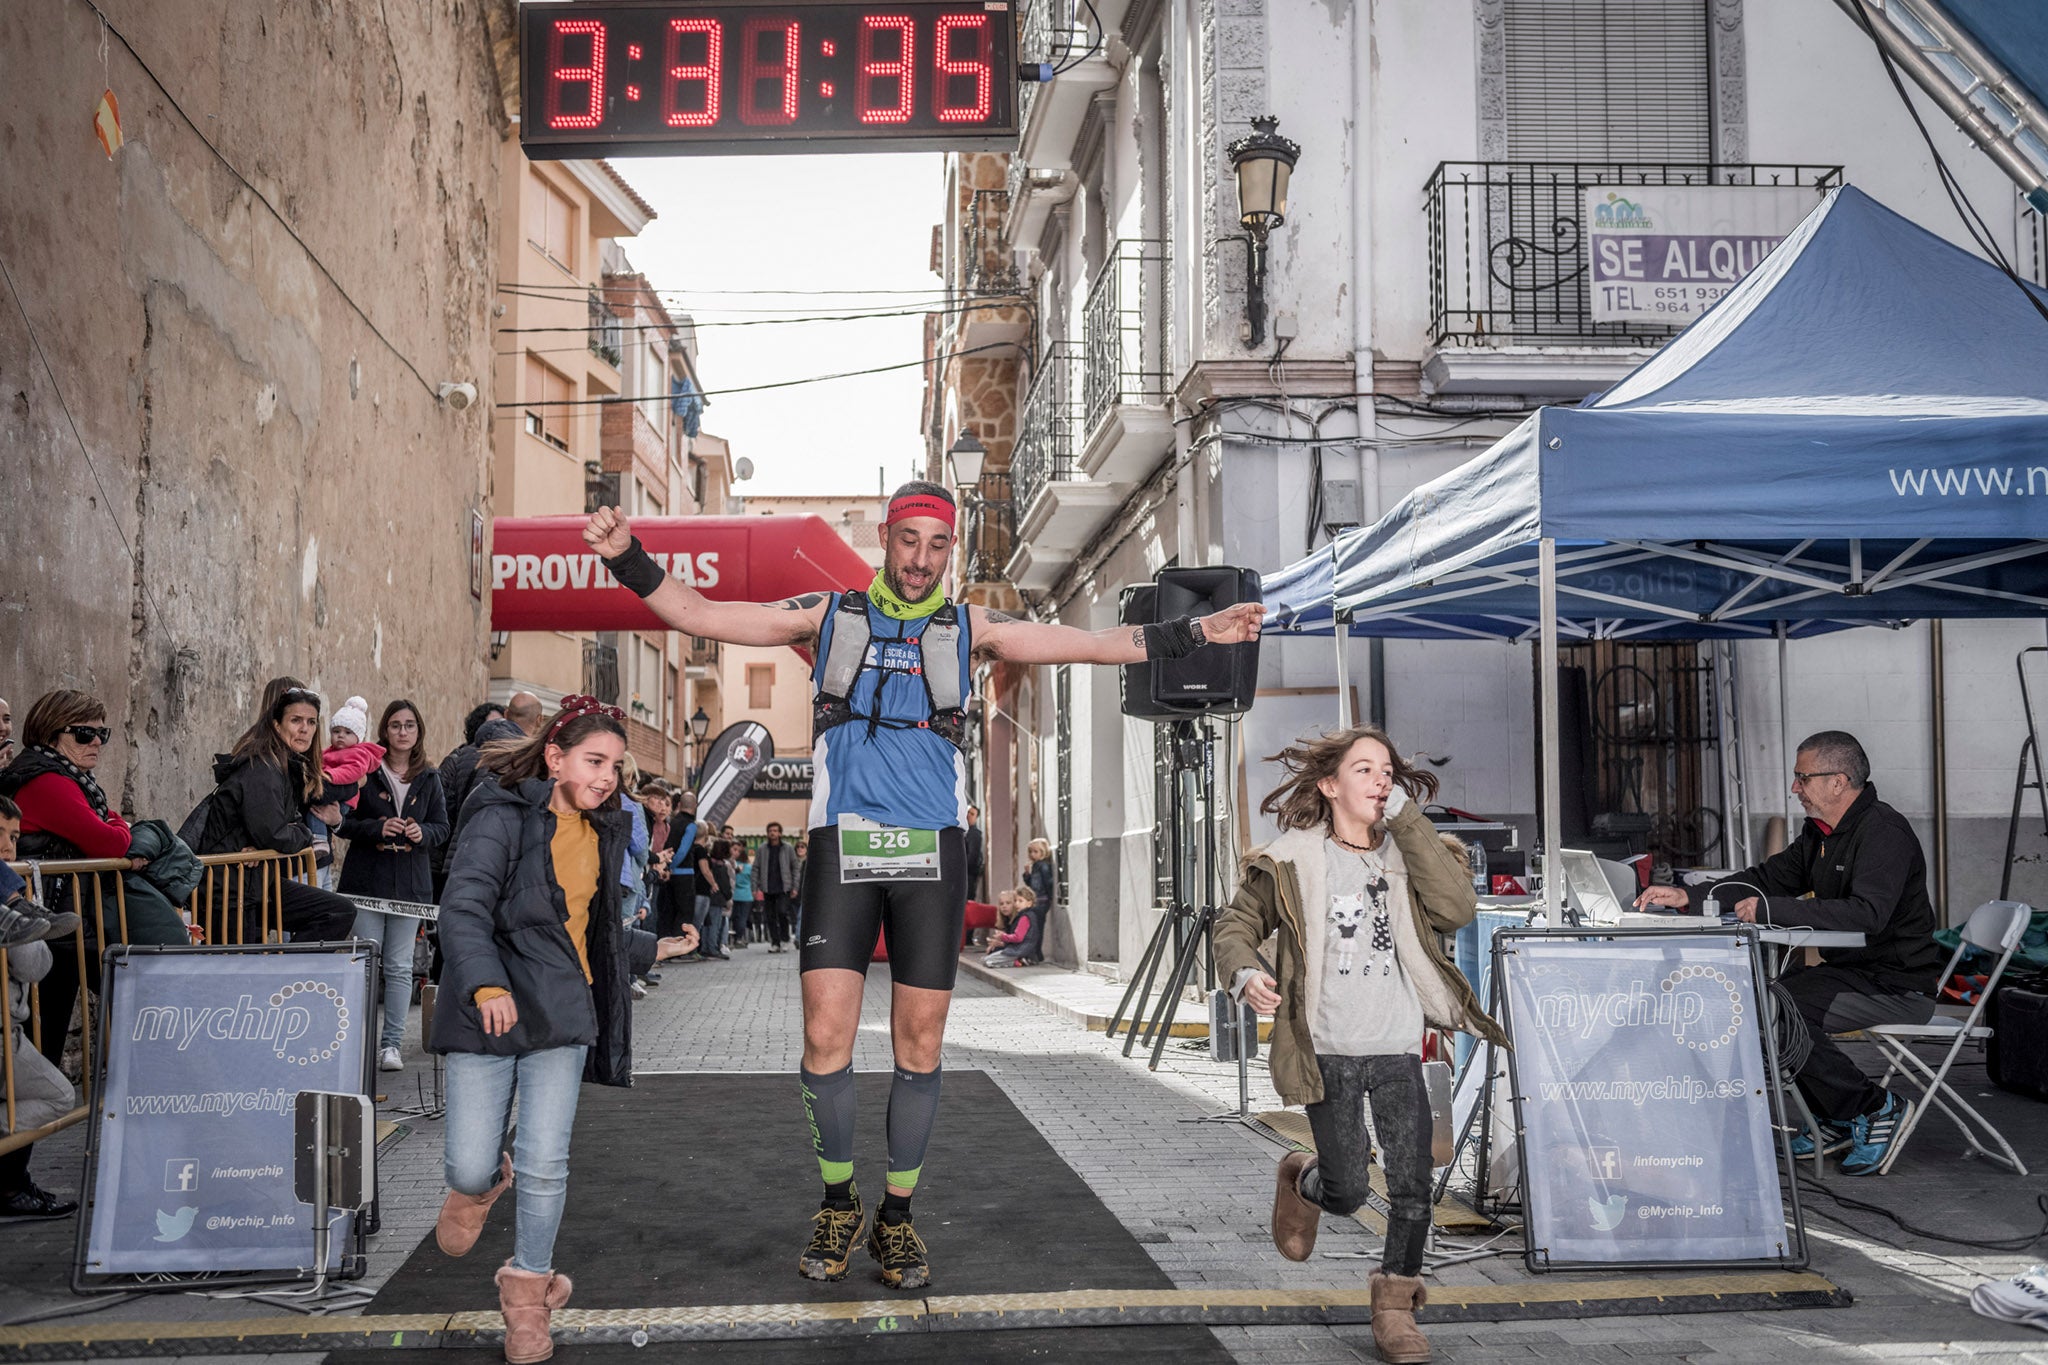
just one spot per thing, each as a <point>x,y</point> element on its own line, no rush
<point>920,920</point>
<point>1400,1115</point>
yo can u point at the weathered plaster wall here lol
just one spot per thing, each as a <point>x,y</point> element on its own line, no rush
<point>272,485</point>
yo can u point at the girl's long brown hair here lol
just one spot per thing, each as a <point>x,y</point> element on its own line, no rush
<point>417,761</point>
<point>513,761</point>
<point>1297,803</point>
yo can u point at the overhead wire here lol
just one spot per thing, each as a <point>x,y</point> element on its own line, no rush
<point>1958,198</point>
<point>611,399</point>
<point>263,199</point>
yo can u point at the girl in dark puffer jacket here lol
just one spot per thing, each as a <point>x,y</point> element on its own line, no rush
<point>536,993</point>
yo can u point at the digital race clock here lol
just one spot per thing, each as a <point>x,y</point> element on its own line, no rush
<point>652,77</point>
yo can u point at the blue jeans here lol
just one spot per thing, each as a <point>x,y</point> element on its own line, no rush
<point>710,926</point>
<point>480,1093</point>
<point>394,935</point>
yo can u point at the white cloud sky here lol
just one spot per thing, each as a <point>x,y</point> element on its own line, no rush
<point>800,224</point>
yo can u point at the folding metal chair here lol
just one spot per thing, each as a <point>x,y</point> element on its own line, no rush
<point>1996,927</point>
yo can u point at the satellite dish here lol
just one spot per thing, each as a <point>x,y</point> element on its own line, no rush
<point>742,468</point>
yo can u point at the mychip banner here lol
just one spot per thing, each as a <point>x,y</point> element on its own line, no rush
<point>1643,1095</point>
<point>1667,253</point>
<point>192,1154</point>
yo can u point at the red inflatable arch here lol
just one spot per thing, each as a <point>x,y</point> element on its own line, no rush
<point>543,577</point>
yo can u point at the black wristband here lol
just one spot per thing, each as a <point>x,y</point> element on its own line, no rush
<point>636,569</point>
<point>1172,639</point>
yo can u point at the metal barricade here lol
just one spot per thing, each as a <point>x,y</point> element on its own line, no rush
<point>215,912</point>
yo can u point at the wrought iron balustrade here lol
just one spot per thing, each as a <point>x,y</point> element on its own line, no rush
<point>991,529</point>
<point>1507,247</point>
<point>607,334</point>
<point>601,672</point>
<point>987,266</point>
<point>1046,427</point>
<point>1054,31</point>
<point>1123,330</point>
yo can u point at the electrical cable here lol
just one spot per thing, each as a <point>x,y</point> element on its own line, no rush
<point>757,322</point>
<point>1094,48</point>
<point>21,305</point>
<point>1973,222</point>
<point>936,302</point>
<point>53,1314</point>
<point>264,200</point>
<point>1812,1186</point>
<point>579,289</point>
<point>756,388</point>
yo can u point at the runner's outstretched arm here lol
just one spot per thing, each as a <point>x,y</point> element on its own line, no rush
<point>999,636</point>
<point>791,622</point>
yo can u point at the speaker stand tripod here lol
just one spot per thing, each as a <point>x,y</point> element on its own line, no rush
<point>1184,927</point>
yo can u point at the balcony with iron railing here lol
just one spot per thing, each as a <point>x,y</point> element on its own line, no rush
<point>991,308</point>
<point>601,672</point>
<point>991,528</point>
<point>1050,113</point>
<point>1057,507</point>
<point>1046,425</point>
<point>1124,388</point>
<point>1508,265</point>
<point>607,334</point>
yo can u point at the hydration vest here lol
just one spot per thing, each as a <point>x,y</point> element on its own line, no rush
<point>847,658</point>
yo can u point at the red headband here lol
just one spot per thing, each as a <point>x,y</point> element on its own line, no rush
<point>580,705</point>
<point>920,505</point>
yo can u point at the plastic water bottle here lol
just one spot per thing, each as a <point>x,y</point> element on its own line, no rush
<point>1481,884</point>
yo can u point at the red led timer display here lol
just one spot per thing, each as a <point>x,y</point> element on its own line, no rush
<point>654,76</point>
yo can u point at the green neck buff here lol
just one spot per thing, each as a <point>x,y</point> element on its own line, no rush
<point>895,608</point>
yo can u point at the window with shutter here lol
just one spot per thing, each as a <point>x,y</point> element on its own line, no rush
<point>1607,80</point>
<point>760,686</point>
<point>543,389</point>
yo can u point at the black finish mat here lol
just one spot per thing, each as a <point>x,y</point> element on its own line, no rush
<point>698,1189</point>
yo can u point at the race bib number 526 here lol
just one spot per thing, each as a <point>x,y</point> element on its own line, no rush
<point>869,852</point>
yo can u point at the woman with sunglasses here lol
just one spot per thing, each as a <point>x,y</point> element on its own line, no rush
<point>64,815</point>
<point>265,788</point>
<point>535,991</point>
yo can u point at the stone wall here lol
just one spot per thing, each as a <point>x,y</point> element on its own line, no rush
<point>224,451</point>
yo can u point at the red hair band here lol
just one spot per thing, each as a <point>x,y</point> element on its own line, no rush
<point>580,705</point>
<point>920,505</point>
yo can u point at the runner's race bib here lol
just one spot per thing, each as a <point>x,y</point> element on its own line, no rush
<point>869,852</point>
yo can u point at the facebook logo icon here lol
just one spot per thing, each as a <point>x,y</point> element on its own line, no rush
<point>1606,1162</point>
<point>181,1174</point>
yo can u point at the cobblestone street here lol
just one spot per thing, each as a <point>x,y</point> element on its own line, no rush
<point>1196,1194</point>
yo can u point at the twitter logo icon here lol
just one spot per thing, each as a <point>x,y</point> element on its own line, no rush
<point>171,1227</point>
<point>1606,1212</point>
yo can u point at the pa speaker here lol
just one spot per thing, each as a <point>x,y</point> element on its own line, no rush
<point>1136,608</point>
<point>1215,678</point>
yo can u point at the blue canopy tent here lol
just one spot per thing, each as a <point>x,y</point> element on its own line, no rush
<point>1857,434</point>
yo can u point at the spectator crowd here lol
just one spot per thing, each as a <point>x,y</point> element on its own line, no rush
<point>381,822</point>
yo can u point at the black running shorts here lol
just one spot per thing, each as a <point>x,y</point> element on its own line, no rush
<point>922,921</point>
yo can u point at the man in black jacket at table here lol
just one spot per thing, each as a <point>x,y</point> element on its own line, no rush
<point>1855,866</point>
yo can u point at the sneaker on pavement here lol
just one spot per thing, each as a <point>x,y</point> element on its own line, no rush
<point>833,1231</point>
<point>1834,1138</point>
<point>638,991</point>
<point>901,1253</point>
<point>32,1201</point>
<point>1871,1136</point>
<point>389,1060</point>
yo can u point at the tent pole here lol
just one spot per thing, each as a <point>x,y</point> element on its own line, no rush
<point>1785,754</point>
<point>1553,795</point>
<point>1345,720</point>
<point>1939,678</point>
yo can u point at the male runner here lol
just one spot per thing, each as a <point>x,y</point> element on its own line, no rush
<point>889,801</point>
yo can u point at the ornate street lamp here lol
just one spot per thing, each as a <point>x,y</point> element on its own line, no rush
<point>1263,161</point>
<point>968,455</point>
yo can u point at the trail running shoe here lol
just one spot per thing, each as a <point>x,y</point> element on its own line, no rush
<point>901,1253</point>
<point>1834,1138</point>
<point>833,1232</point>
<point>1871,1136</point>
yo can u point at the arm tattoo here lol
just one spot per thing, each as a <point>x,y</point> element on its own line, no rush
<point>804,603</point>
<point>996,618</point>
<point>1138,637</point>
